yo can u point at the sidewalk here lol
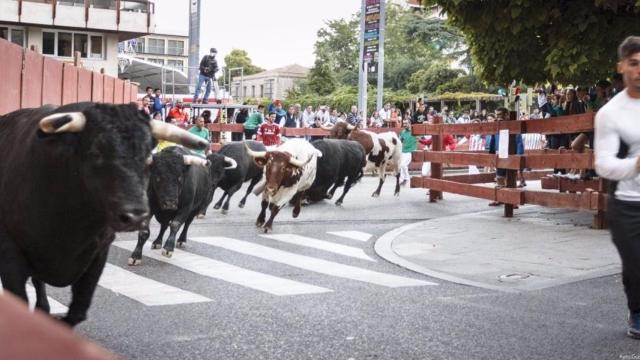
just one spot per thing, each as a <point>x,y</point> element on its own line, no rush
<point>539,248</point>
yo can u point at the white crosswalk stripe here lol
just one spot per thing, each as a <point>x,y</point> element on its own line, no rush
<point>229,273</point>
<point>310,263</point>
<point>144,290</point>
<point>55,307</point>
<point>353,235</point>
<point>321,245</point>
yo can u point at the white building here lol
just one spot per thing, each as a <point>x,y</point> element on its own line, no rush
<point>271,84</point>
<point>91,27</point>
<point>170,50</point>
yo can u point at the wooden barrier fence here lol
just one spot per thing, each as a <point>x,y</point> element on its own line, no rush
<point>573,194</point>
<point>32,80</point>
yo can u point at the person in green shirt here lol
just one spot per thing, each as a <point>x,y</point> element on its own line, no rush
<point>409,145</point>
<point>253,122</point>
<point>201,131</point>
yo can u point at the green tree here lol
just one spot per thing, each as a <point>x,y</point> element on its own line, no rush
<point>428,80</point>
<point>465,84</point>
<point>321,79</point>
<point>337,45</point>
<point>538,40</point>
<point>240,58</point>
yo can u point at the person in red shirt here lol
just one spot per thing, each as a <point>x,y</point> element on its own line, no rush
<point>448,141</point>
<point>269,132</point>
<point>179,114</point>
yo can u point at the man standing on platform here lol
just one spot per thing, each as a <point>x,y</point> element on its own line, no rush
<point>617,158</point>
<point>208,70</point>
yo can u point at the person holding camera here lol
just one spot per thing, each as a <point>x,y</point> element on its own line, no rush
<point>208,70</point>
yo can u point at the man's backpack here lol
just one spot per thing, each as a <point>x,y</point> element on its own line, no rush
<point>623,151</point>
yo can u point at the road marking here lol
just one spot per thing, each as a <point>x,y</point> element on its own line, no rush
<point>312,264</point>
<point>321,245</point>
<point>354,235</point>
<point>55,307</point>
<point>145,290</point>
<point>230,273</point>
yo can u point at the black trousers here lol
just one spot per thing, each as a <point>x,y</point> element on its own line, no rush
<point>624,222</point>
<point>248,133</point>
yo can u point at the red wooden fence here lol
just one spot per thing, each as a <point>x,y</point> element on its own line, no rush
<point>32,80</point>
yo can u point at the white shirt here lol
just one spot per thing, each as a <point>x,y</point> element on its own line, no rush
<point>307,118</point>
<point>618,120</point>
<point>384,114</point>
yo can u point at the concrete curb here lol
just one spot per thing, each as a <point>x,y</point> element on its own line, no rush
<point>384,248</point>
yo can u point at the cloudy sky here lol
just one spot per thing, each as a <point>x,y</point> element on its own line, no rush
<point>275,33</point>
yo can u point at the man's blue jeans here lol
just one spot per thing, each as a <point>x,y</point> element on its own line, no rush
<point>208,82</point>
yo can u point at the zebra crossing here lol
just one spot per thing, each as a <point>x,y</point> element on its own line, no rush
<point>124,281</point>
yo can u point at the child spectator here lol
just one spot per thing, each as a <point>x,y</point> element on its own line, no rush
<point>269,132</point>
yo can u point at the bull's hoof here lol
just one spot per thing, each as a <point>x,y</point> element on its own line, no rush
<point>375,194</point>
<point>397,193</point>
<point>134,262</point>
<point>181,244</point>
<point>241,204</point>
<point>267,229</point>
<point>328,196</point>
<point>224,211</point>
<point>216,207</point>
<point>338,203</point>
<point>259,223</point>
<point>155,246</point>
<point>166,253</point>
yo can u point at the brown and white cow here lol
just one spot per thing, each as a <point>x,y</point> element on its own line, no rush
<point>289,170</point>
<point>382,150</point>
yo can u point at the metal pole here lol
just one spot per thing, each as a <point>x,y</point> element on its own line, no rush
<point>380,93</point>
<point>194,42</point>
<point>364,84</point>
<point>361,70</point>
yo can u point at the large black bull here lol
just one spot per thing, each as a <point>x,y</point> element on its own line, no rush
<point>245,170</point>
<point>69,179</point>
<point>341,164</point>
<point>179,190</point>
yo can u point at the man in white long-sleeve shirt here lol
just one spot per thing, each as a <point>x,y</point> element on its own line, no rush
<point>618,125</point>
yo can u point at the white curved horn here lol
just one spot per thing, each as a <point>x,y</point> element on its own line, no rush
<point>326,128</point>
<point>233,163</point>
<point>195,160</point>
<point>350,127</point>
<point>53,124</point>
<point>163,131</point>
<point>298,163</point>
<point>255,154</point>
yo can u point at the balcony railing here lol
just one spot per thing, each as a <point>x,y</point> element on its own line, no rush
<point>120,6</point>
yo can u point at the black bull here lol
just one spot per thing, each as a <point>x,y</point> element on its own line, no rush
<point>69,179</point>
<point>180,189</point>
<point>341,164</point>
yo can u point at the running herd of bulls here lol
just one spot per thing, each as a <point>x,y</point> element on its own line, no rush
<point>73,176</point>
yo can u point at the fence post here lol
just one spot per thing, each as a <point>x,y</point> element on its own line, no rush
<point>512,175</point>
<point>436,168</point>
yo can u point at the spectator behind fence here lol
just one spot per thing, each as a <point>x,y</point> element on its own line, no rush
<point>253,122</point>
<point>201,131</point>
<point>269,132</point>
<point>375,121</point>
<point>157,104</point>
<point>240,118</point>
<point>179,114</point>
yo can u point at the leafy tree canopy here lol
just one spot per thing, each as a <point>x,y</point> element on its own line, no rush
<point>240,58</point>
<point>539,40</point>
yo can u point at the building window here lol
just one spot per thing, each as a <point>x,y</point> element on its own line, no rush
<point>16,36</point>
<point>96,47</point>
<point>268,89</point>
<point>261,91</point>
<point>65,41</point>
<point>156,61</point>
<point>71,2</point>
<point>48,43</point>
<point>175,47</point>
<point>81,44</point>
<point>139,48</point>
<point>176,64</point>
<point>64,44</point>
<point>253,91</point>
<point>155,46</point>
<point>244,91</point>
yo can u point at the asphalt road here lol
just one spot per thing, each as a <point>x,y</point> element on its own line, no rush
<point>235,294</point>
